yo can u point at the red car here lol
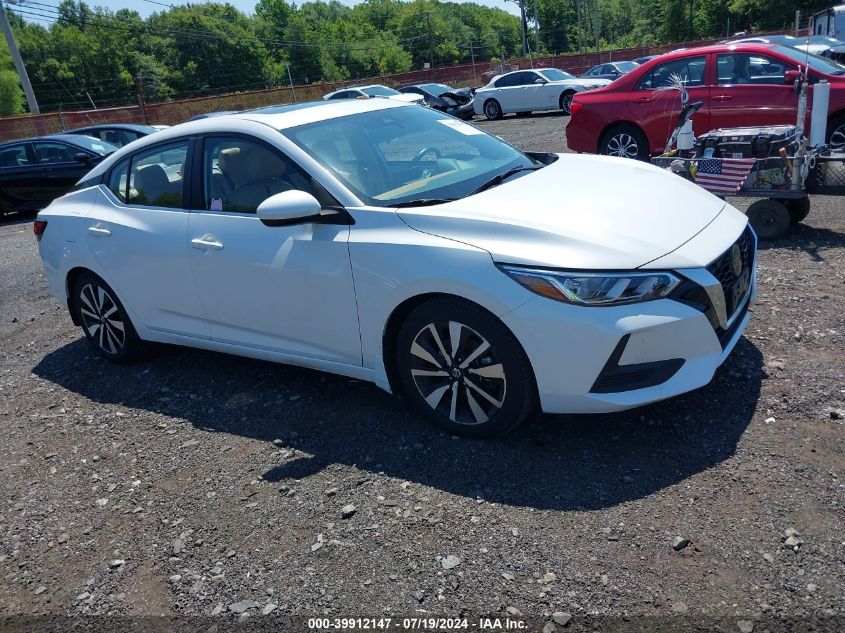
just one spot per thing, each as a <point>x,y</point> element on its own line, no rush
<point>740,85</point>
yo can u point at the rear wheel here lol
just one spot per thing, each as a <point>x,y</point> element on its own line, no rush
<point>492,110</point>
<point>463,369</point>
<point>566,101</point>
<point>769,218</point>
<point>836,132</point>
<point>104,320</point>
<point>626,141</point>
<point>799,208</point>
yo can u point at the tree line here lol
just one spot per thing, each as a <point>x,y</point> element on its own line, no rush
<point>80,57</point>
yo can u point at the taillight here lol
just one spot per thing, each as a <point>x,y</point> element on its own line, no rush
<point>38,227</point>
<point>575,108</point>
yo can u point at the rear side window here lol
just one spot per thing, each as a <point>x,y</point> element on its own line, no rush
<point>690,70</point>
<point>118,180</point>
<point>13,156</point>
<point>156,177</point>
<point>508,81</point>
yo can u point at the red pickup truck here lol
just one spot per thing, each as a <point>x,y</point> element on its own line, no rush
<point>739,84</point>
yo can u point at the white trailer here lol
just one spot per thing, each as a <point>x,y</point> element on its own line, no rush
<point>830,22</point>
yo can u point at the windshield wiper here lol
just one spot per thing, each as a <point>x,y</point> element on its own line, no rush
<point>500,178</point>
<point>422,202</point>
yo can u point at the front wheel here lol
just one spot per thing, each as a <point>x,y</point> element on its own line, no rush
<point>626,141</point>
<point>464,370</point>
<point>492,110</point>
<point>836,132</point>
<point>104,320</point>
<point>566,102</point>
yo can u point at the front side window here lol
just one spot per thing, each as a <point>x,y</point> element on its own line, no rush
<point>379,91</point>
<point>239,174</point>
<point>156,176</point>
<point>397,155</point>
<point>688,70</point>
<point>47,153</point>
<point>626,67</point>
<point>14,156</point>
<point>344,94</point>
<point>745,68</point>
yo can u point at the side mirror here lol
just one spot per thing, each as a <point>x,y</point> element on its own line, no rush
<point>289,208</point>
<point>790,77</point>
<point>82,157</point>
<point>540,81</point>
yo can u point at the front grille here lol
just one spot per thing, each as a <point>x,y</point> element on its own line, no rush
<point>722,268</point>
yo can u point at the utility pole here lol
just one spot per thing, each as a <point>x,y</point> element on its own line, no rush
<point>139,87</point>
<point>797,21</point>
<point>536,29</point>
<point>691,13</point>
<point>523,22</point>
<point>16,57</point>
<point>290,79</point>
<point>430,44</point>
<point>472,55</point>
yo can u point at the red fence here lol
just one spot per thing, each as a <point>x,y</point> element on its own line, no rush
<point>172,112</point>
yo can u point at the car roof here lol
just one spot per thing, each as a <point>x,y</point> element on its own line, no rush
<point>134,127</point>
<point>66,137</point>
<point>276,117</point>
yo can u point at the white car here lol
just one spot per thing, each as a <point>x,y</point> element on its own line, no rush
<point>524,91</point>
<point>376,91</point>
<point>398,245</point>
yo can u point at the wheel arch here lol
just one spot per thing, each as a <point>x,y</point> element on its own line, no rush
<point>70,280</point>
<point>397,318</point>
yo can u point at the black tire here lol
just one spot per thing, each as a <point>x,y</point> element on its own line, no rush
<point>836,131</point>
<point>799,208</point>
<point>565,102</point>
<point>492,110</point>
<point>769,218</point>
<point>102,316</point>
<point>625,140</point>
<point>486,404</point>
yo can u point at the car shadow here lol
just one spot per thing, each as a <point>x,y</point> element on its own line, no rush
<point>806,238</point>
<point>514,117</point>
<point>553,462</point>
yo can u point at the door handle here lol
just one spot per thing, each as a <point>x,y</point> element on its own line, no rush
<point>206,243</point>
<point>101,231</point>
<point>722,98</point>
<point>642,100</point>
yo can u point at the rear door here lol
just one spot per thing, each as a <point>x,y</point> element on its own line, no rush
<point>750,90</point>
<point>509,92</point>
<point>20,187</point>
<point>655,106</point>
<point>138,234</point>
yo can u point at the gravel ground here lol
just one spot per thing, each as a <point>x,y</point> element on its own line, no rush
<point>197,484</point>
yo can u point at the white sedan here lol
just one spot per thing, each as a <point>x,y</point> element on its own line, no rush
<point>375,91</point>
<point>524,91</point>
<point>394,244</point>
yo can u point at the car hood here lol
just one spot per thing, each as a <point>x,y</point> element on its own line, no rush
<point>582,211</point>
<point>587,83</point>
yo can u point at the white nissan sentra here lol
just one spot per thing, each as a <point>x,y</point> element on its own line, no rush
<point>391,243</point>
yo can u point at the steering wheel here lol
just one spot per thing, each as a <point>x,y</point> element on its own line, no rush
<point>425,151</point>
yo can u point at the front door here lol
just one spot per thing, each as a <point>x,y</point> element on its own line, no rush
<point>750,91</point>
<point>284,288</point>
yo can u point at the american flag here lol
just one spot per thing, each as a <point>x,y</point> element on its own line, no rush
<point>723,175</point>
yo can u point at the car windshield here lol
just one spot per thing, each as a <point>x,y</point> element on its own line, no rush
<point>553,74</point>
<point>437,89</point>
<point>398,155</point>
<point>379,91</point>
<point>626,67</point>
<point>95,145</point>
<point>821,64</point>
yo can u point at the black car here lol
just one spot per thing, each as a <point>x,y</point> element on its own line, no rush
<point>610,70</point>
<point>118,134</point>
<point>35,171</point>
<point>457,102</point>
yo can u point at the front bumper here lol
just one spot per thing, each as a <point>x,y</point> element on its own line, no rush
<point>601,359</point>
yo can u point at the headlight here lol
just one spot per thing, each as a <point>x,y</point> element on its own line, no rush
<point>594,289</point>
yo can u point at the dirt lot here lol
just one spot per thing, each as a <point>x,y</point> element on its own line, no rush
<point>199,484</point>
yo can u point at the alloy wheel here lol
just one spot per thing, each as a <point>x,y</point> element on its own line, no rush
<point>101,318</point>
<point>837,137</point>
<point>491,110</point>
<point>566,102</point>
<point>457,372</point>
<point>622,144</point>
